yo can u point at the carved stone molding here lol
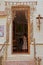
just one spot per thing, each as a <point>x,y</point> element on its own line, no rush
<point>8,5</point>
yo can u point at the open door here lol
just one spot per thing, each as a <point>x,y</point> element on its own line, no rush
<point>20,30</point>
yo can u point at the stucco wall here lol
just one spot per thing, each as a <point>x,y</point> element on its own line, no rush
<point>3,23</point>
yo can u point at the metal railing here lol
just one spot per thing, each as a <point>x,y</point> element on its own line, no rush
<point>3,52</point>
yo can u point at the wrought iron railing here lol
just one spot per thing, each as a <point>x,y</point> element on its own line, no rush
<point>3,52</point>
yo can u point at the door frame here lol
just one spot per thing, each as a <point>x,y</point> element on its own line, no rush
<point>22,7</point>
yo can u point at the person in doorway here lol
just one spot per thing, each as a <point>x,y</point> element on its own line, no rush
<point>24,42</point>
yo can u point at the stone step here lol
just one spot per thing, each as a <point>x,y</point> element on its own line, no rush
<point>19,63</point>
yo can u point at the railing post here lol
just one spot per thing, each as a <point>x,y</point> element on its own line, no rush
<point>35,59</point>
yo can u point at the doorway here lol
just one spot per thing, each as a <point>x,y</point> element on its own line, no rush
<point>20,31</point>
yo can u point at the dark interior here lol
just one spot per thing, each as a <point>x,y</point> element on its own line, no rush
<point>20,26</point>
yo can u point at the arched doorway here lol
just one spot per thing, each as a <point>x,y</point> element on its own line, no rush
<point>20,29</point>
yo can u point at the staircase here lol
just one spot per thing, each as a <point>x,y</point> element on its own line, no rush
<point>4,61</point>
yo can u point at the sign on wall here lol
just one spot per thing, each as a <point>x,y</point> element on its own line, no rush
<point>1,30</point>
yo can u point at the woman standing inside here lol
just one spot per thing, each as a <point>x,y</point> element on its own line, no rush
<point>24,42</point>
